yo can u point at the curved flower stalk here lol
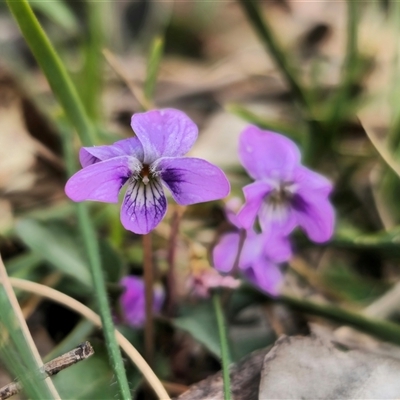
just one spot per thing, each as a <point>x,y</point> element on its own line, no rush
<point>285,194</point>
<point>145,163</point>
<point>260,255</point>
<point>133,301</point>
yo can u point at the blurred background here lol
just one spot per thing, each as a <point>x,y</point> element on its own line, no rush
<point>327,76</point>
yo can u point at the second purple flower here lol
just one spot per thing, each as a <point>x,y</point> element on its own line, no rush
<point>147,162</point>
<point>285,194</point>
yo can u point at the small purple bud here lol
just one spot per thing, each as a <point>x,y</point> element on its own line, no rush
<point>133,301</point>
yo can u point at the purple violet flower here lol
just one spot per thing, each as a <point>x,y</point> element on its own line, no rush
<point>259,258</point>
<point>285,193</point>
<point>146,162</point>
<point>260,255</point>
<point>133,300</point>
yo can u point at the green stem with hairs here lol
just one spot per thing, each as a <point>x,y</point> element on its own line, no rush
<point>225,357</point>
<point>93,254</point>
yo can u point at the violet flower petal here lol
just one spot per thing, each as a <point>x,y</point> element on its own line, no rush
<point>164,133</point>
<point>144,206</point>
<point>276,247</point>
<point>252,250</point>
<point>310,181</point>
<point>231,209</point>
<point>279,220</point>
<point>225,252</point>
<point>133,301</point>
<point>101,181</point>
<point>128,147</point>
<point>315,214</point>
<point>266,275</point>
<point>265,154</point>
<point>254,195</point>
<point>192,180</point>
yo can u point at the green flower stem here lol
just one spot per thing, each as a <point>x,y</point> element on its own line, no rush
<point>224,344</point>
<point>149,283</point>
<point>66,93</point>
<point>384,330</point>
<point>92,250</point>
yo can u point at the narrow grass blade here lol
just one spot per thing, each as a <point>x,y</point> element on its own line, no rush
<point>314,144</point>
<point>265,33</point>
<point>58,12</point>
<point>53,68</point>
<point>92,71</point>
<point>153,66</point>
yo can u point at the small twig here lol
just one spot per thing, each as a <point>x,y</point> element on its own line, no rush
<point>149,283</point>
<point>53,367</point>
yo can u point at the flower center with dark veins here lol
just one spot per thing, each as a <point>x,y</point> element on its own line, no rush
<point>277,203</point>
<point>281,195</point>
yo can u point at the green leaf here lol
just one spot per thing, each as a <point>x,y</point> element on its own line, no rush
<point>59,13</point>
<point>58,244</point>
<point>21,265</point>
<point>201,323</point>
<point>113,264</point>
<point>87,380</point>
